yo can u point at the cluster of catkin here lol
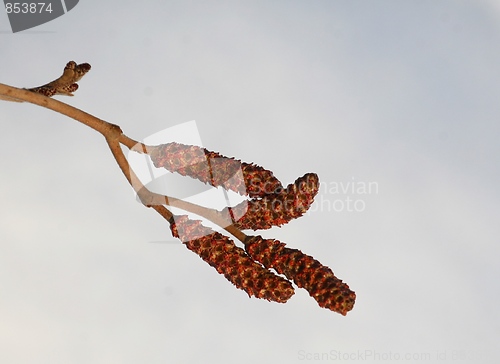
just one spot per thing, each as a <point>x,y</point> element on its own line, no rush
<point>269,204</point>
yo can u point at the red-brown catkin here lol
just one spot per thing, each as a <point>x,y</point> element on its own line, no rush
<point>276,209</point>
<point>215,169</point>
<point>221,253</point>
<point>319,280</point>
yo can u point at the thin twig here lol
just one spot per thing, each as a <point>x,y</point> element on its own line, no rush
<point>91,121</point>
<point>114,136</point>
<point>152,199</point>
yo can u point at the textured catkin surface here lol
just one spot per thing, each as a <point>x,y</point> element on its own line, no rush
<point>221,253</point>
<point>276,209</point>
<point>215,169</point>
<point>319,280</point>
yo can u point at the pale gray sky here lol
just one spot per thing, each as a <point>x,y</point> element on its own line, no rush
<point>403,94</point>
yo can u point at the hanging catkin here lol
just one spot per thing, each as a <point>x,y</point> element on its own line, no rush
<point>221,253</point>
<point>215,169</point>
<point>276,209</point>
<point>319,280</point>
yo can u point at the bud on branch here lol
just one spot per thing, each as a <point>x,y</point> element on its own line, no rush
<point>67,83</point>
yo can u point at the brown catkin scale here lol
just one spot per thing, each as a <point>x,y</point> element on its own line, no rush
<point>277,209</point>
<point>221,253</point>
<point>319,280</point>
<point>215,169</point>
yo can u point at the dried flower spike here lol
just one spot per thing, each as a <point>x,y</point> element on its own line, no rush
<point>319,280</point>
<point>221,253</point>
<point>276,209</point>
<point>66,84</point>
<point>215,169</point>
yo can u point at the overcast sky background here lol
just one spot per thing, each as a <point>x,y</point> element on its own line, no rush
<point>404,94</point>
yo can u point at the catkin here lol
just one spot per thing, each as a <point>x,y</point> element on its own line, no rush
<point>276,209</point>
<point>221,253</point>
<point>215,169</point>
<point>319,280</point>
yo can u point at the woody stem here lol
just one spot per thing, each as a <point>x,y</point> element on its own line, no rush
<point>114,136</point>
<point>156,200</point>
